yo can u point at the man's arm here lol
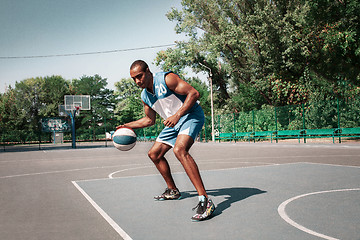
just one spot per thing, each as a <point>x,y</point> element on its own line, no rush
<point>179,86</point>
<point>148,120</point>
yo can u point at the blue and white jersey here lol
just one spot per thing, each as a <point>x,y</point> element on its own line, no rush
<point>164,101</point>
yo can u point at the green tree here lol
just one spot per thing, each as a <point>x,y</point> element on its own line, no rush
<point>22,108</point>
<point>8,115</point>
<point>54,88</point>
<point>204,91</point>
<point>28,101</point>
<point>102,102</point>
<point>335,46</point>
<point>270,51</point>
<point>129,106</point>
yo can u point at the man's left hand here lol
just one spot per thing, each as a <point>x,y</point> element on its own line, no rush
<point>172,121</point>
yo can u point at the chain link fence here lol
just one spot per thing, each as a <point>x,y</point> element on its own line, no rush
<point>334,114</point>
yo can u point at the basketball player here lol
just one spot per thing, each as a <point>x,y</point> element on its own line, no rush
<point>176,102</point>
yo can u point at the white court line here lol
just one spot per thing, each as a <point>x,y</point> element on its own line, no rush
<point>67,158</point>
<point>112,223</point>
<point>110,157</point>
<point>283,215</point>
<point>203,161</point>
<point>179,164</point>
<point>128,169</point>
<point>81,169</point>
<point>209,170</point>
<point>62,171</point>
<point>333,165</point>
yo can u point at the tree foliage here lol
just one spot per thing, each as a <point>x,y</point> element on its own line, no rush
<point>23,107</point>
<point>267,52</point>
<point>129,107</point>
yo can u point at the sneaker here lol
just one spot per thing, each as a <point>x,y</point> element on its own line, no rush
<point>204,209</point>
<point>169,194</point>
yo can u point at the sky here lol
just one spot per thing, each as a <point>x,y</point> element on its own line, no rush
<point>49,27</point>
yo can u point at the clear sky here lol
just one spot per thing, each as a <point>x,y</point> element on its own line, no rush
<point>53,27</point>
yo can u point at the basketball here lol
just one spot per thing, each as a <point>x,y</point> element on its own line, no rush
<point>124,139</point>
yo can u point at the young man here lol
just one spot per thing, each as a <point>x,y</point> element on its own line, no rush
<point>176,102</point>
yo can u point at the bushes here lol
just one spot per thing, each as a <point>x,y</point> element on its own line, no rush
<point>314,115</point>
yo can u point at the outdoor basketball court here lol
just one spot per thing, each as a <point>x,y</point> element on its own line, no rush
<point>261,190</point>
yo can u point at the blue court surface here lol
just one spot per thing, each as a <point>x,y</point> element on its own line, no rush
<point>294,201</point>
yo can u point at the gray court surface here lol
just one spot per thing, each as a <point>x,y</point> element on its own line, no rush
<point>262,191</point>
<point>247,202</point>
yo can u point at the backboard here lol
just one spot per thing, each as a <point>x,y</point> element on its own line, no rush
<point>75,102</point>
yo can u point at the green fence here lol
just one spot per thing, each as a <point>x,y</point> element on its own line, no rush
<point>310,120</point>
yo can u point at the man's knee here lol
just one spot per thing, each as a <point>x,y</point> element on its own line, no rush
<point>180,152</point>
<point>153,155</point>
<point>157,152</point>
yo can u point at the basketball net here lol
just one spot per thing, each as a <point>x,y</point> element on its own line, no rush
<point>77,110</point>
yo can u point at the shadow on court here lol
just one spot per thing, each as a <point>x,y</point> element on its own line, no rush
<point>231,195</point>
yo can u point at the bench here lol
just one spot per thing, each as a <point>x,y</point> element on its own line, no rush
<point>348,132</point>
<point>225,136</point>
<point>243,135</point>
<point>322,133</point>
<point>292,134</point>
<point>289,134</point>
<point>264,135</point>
<point>233,136</point>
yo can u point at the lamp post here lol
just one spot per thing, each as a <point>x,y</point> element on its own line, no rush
<point>212,102</point>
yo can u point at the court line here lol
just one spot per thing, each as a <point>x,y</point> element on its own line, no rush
<point>112,223</point>
<point>179,164</point>
<point>82,169</point>
<point>182,172</point>
<point>128,169</point>
<point>63,171</point>
<point>116,227</point>
<point>334,165</point>
<point>109,157</point>
<point>224,169</point>
<point>283,214</point>
<point>199,161</point>
<point>72,158</point>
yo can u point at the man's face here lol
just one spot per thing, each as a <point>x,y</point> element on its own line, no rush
<point>140,77</point>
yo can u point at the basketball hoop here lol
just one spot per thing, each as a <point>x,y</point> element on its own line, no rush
<point>76,111</point>
<point>72,106</point>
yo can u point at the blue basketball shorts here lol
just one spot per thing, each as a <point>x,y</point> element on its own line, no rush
<point>190,124</point>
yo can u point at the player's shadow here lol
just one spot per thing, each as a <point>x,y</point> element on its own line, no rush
<point>232,195</point>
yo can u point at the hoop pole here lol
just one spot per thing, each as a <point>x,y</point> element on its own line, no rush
<point>73,128</point>
<point>212,102</point>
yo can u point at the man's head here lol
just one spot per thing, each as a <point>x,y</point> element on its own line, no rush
<point>139,63</point>
<point>140,73</point>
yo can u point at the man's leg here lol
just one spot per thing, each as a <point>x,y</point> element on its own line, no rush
<point>205,207</point>
<point>181,150</point>
<point>156,154</point>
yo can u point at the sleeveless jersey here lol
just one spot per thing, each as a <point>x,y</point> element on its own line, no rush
<point>164,101</point>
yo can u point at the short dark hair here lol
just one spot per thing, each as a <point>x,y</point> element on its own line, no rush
<point>143,65</point>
